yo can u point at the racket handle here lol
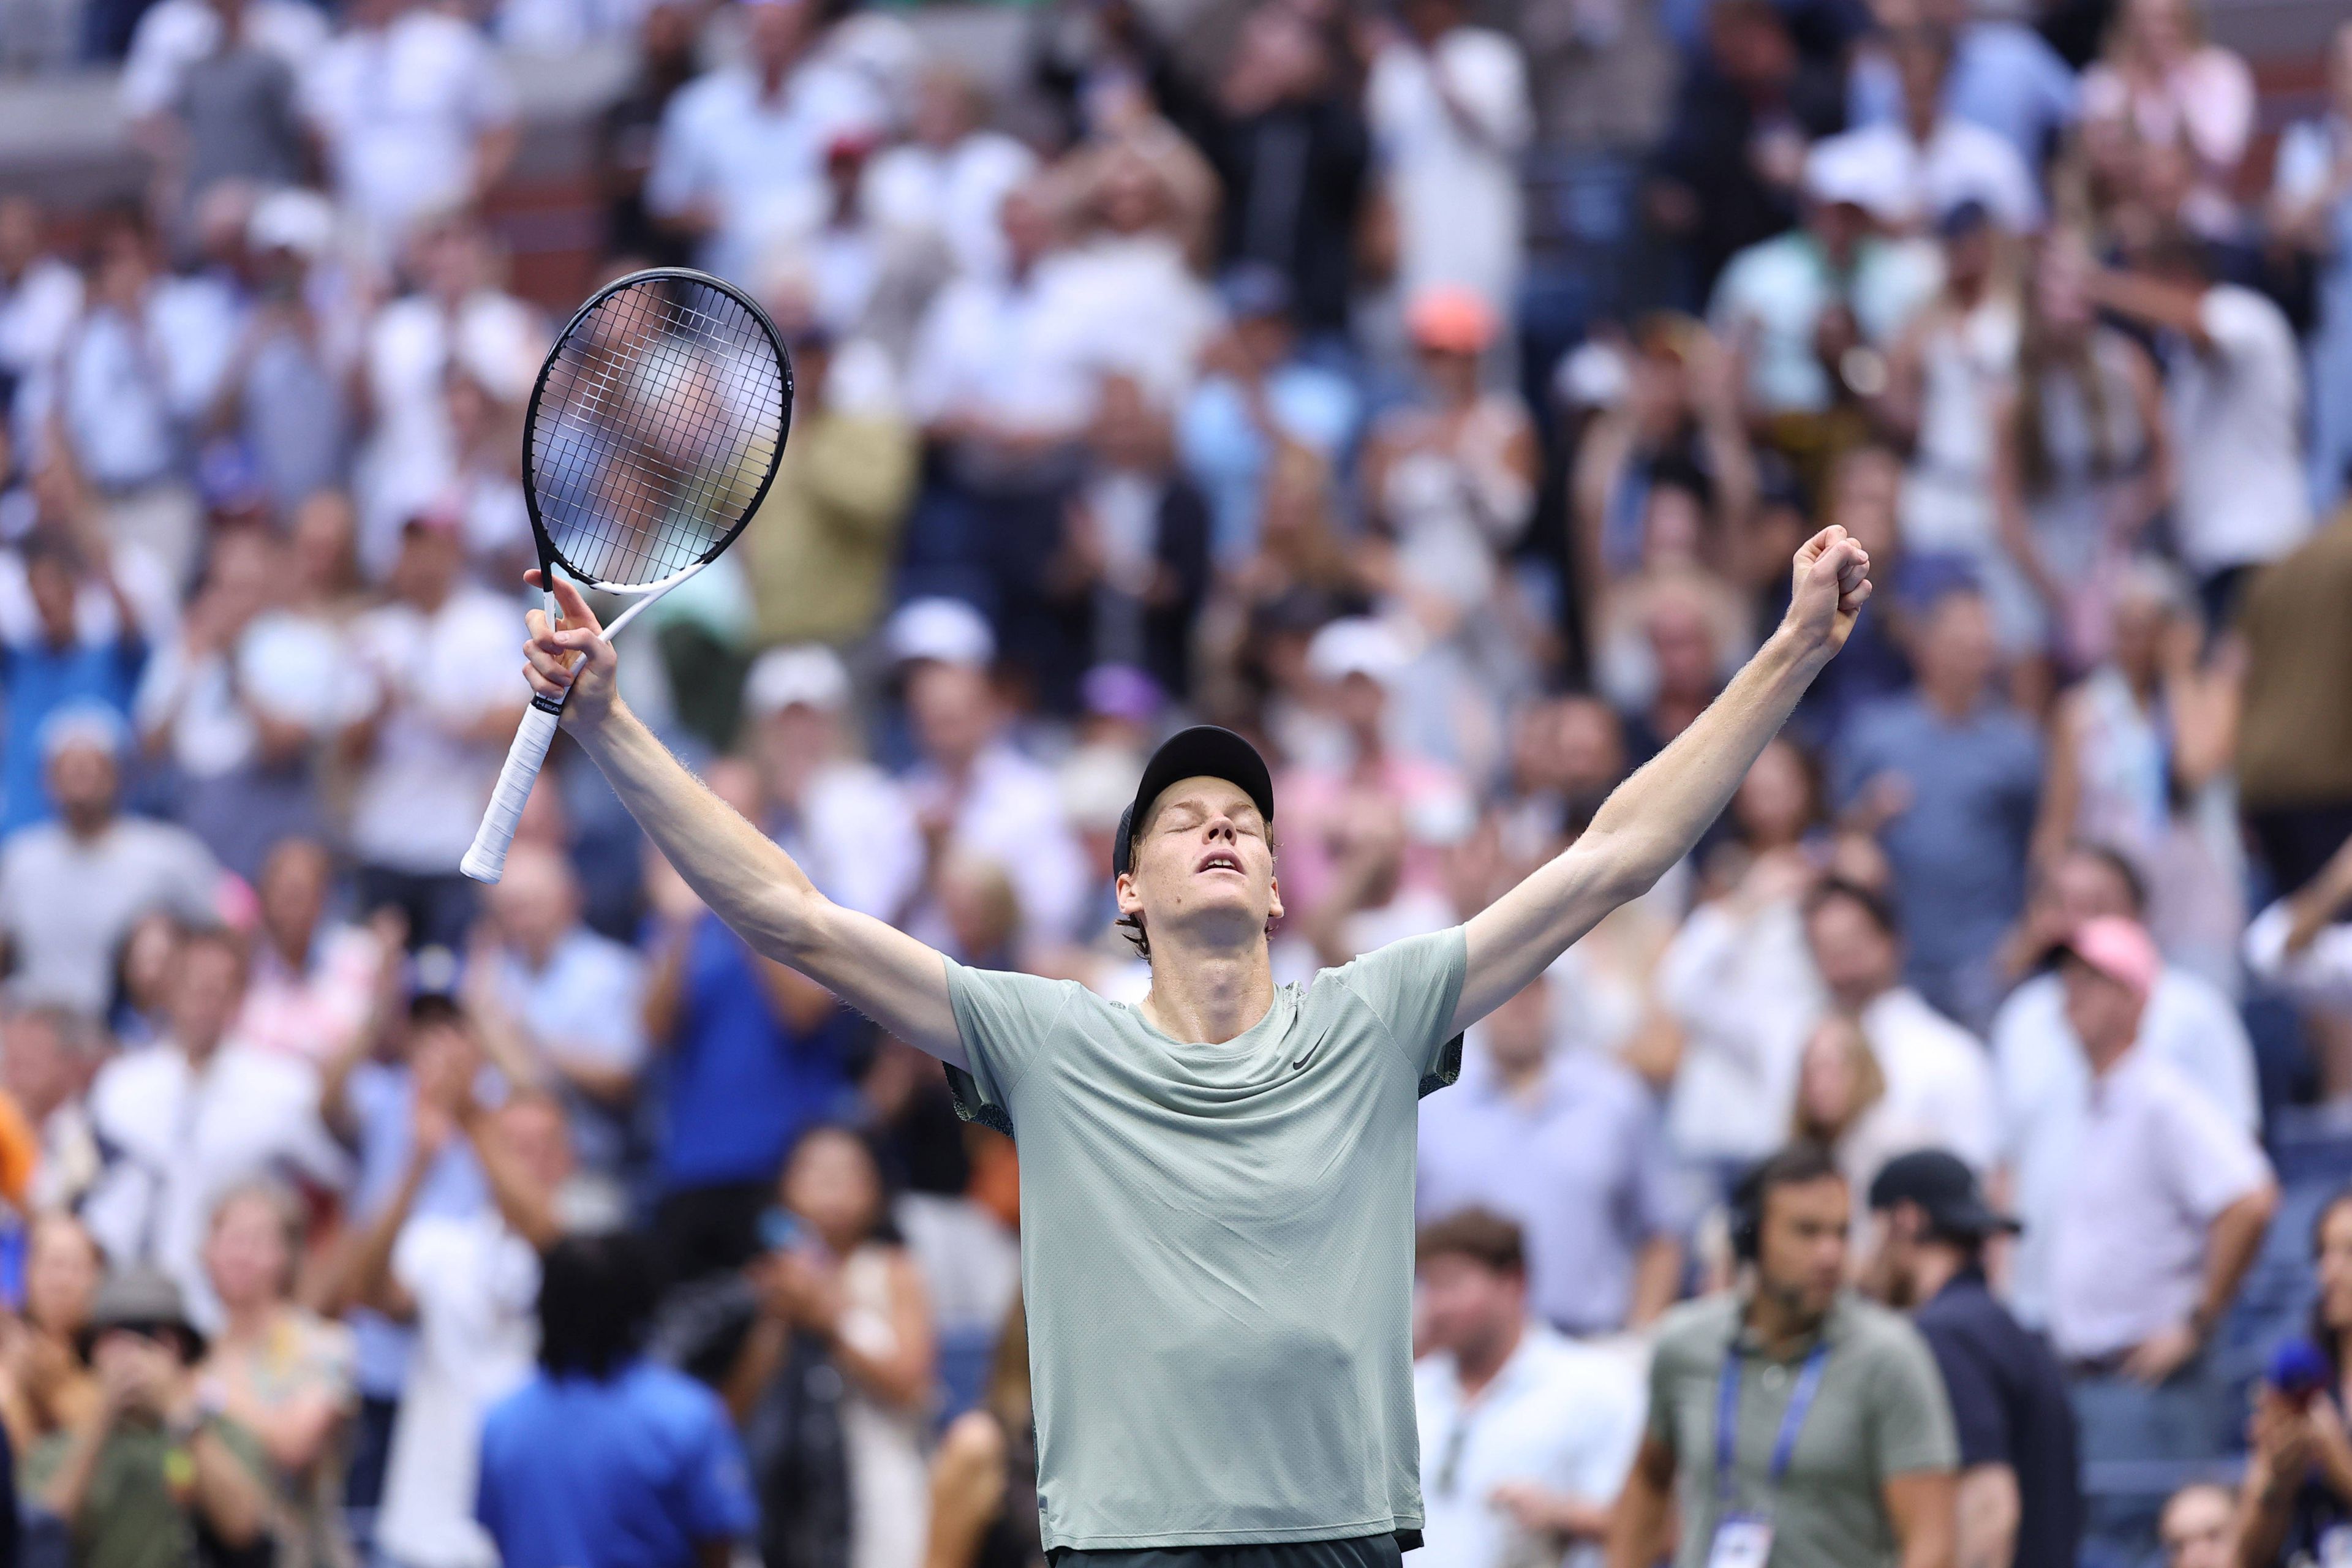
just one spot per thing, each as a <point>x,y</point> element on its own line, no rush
<point>488,858</point>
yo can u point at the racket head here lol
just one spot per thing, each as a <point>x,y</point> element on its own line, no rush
<point>654,428</point>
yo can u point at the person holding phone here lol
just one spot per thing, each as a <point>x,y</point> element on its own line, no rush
<point>2297,1496</point>
<point>1216,1181</point>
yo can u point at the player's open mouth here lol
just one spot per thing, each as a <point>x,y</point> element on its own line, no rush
<point>1221,861</point>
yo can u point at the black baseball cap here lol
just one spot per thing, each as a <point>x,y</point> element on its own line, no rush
<point>1204,751</point>
<point>1942,1186</point>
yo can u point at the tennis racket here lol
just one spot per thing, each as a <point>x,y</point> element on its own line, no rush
<point>653,434</point>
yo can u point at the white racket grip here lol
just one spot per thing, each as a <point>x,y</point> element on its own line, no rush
<point>488,858</point>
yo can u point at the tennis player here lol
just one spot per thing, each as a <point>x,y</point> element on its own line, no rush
<point>1216,1184</point>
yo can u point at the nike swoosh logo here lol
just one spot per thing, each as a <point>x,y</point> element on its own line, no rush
<point>1317,1046</point>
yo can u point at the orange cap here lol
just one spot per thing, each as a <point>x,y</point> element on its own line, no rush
<point>1451,320</point>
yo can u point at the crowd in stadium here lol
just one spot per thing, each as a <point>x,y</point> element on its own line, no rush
<point>1436,397</point>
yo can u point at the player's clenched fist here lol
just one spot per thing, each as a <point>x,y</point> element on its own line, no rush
<point>570,656</point>
<point>1831,579</point>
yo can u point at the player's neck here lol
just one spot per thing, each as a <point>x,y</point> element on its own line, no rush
<point>1209,997</point>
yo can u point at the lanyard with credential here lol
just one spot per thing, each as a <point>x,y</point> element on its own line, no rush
<point>1792,1420</point>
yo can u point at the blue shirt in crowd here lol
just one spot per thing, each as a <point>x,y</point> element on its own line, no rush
<point>635,1472</point>
<point>2005,76</point>
<point>1958,852</point>
<point>39,681</point>
<point>741,1083</point>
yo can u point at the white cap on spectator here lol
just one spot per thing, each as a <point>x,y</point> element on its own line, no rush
<point>1357,645</point>
<point>83,725</point>
<point>1863,170</point>
<point>942,628</point>
<point>1098,782</point>
<point>290,219</point>
<point>809,676</point>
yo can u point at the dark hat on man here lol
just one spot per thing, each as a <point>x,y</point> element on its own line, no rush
<point>1945,1189</point>
<point>1204,751</point>
<point>144,1299</point>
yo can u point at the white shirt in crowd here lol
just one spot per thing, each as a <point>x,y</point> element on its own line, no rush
<point>855,835</point>
<point>1742,986</point>
<point>476,1286</point>
<point>756,163</point>
<point>1010,349</point>
<point>1456,186</point>
<point>128,388</point>
<point>950,193</point>
<point>1010,813</point>
<point>67,905</point>
<point>400,109</point>
<point>412,461</point>
<point>177,1140</point>
<point>1138,311</point>
<point>1563,1415</point>
<point>1938,1075</point>
<point>2237,425</point>
<point>2046,1096</point>
<point>1960,162</point>
<point>421,790</point>
<point>585,1008</point>
<point>176,33</point>
<point>2319,976</point>
<point>2157,1160</point>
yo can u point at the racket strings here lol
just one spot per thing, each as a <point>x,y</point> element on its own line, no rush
<point>662,413</point>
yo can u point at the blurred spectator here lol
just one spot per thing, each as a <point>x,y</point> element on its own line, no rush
<point>973,792</point>
<point>2020,1500</point>
<point>1842,1104</point>
<point>444,702</point>
<point>1525,1435</point>
<point>1947,778</point>
<point>152,1461</point>
<point>2293,762</point>
<point>605,1458</point>
<point>2004,77</point>
<point>628,131</point>
<point>2138,761</point>
<point>1566,1146</point>
<point>571,1000</point>
<point>48,1058</point>
<point>1939,1080</point>
<point>2234,380</point>
<point>315,984</point>
<point>1877,1483</point>
<point>2199,1528</point>
<point>2311,214</point>
<point>230,112</point>
<point>821,548</point>
<point>1447,107</point>
<point>40,296</point>
<point>71,889</point>
<point>49,1387</point>
<point>69,658</point>
<point>847,822</point>
<point>2303,944</point>
<point>1792,307</point>
<point>1947,160</point>
<point>194,1115</point>
<point>2158,85</point>
<point>1290,147</point>
<point>1139,206</point>
<point>466,1281</point>
<point>2082,457</point>
<point>738,167</point>
<point>752,1053</point>
<point>279,1369</point>
<point>415,115</point>
<point>2045,1080</point>
<point>283,395</point>
<point>1727,174</point>
<point>838,1288</point>
<point>1134,564</point>
<point>1739,980</point>
<point>1257,398</point>
<point>2166,1210</point>
<point>2297,1494</point>
<point>947,181</point>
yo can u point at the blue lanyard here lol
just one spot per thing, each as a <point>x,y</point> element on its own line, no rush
<point>1784,1447</point>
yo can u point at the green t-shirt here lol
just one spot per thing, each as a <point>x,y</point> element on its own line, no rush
<point>1880,1412</point>
<point>1216,1249</point>
<point>131,1516</point>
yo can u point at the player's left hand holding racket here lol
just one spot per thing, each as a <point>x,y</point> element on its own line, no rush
<point>653,434</point>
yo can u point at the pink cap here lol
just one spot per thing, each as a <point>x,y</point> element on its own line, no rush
<point>1451,320</point>
<point>2119,949</point>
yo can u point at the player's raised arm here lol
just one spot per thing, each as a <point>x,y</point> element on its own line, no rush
<point>744,876</point>
<point>1651,820</point>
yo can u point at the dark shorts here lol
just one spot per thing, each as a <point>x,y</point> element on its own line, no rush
<point>1358,1552</point>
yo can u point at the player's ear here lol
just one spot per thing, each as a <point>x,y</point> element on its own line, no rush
<point>1274,898</point>
<point>1123,888</point>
